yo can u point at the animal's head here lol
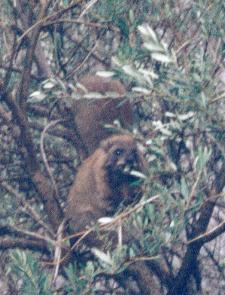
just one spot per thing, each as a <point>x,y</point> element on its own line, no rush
<point>123,157</point>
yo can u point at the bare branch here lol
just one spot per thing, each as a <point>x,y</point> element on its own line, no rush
<point>210,235</point>
<point>49,18</point>
<point>27,150</point>
<point>38,246</point>
<point>44,157</point>
<point>26,75</point>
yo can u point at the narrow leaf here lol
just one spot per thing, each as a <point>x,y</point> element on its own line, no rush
<point>161,57</point>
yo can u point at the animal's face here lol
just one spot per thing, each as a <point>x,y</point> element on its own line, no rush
<point>122,157</point>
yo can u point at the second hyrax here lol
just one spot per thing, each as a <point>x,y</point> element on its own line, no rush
<point>103,182</point>
<point>91,115</point>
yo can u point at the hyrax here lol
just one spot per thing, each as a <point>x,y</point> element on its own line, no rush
<point>91,115</point>
<point>103,182</point>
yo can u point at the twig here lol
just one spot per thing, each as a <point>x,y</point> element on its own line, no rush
<point>192,194</point>
<point>114,221</point>
<point>43,154</point>
<point>43,20</point>
<point>210,235</point>
<point>83,62</point>
<point>83,234</point>
<point>220,97</point>
<point>35,235</point>
<point>87,8</point>
<point>58,251</point>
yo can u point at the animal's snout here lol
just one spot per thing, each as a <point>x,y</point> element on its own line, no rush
<point>131,160</point>
<point>127,164</point>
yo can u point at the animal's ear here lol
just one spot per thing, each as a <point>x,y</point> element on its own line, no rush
<point>106,144</point>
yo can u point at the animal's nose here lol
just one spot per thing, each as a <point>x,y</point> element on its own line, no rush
<point>131,160</point>
<point>121,163</point>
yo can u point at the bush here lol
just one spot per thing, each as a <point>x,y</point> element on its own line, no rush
<point>170,57</point>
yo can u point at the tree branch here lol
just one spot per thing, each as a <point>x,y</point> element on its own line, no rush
<point>190,258</point>
<point>28,61</point>
<point>25,244</point>
<point>210,235</point>
<point>27,150</point>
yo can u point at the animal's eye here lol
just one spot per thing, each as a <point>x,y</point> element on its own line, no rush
<point>118,152</point>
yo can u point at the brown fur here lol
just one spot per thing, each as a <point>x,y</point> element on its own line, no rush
<point>97,193</point>
<point>92,114</point>
<point>102,85</point>
<point>101,184</point>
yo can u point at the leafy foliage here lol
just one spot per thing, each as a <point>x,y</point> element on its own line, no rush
<point>170,55</point>
<point>28,271</point>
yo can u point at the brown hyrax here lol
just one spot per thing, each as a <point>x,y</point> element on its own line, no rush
<point>91,115</point>
<point>103,182</point>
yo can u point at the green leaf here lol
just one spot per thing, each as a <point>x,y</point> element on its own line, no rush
<point>153,47</point>
<point>161,57</point>
<point>105,74</point>
<point>104,257</point>
<point>150,210</point>
<point>184,188</point>
<point>37,96</point>
<point>147,31</point>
